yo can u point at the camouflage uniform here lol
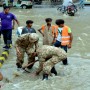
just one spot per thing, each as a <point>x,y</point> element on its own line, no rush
<point>48,57</point>
<point>26,43</point>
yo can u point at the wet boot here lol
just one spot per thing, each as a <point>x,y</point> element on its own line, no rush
<point>53,70</point>
<point>45,77</point>
<point>65,62</point>
<point>18,65</point>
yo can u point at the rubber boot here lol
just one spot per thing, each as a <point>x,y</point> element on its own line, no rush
<point>18,65</point>
<point>53,70</point>
<point>45,77</point>
<point>65,62</point>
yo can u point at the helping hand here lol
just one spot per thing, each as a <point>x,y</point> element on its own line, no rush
<point>69,46</point>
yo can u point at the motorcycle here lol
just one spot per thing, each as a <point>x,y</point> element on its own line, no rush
<point>71,10</point>
<point>62,9</point>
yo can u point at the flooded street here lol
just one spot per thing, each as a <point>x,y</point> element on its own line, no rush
<point>75,76</point>
<point>79,25</point>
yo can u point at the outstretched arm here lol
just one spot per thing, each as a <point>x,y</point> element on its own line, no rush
<point>17,22</point>
<point>13,24</point>
<point>41,31</point>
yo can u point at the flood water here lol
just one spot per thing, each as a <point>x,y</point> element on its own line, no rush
<point>75,76</point>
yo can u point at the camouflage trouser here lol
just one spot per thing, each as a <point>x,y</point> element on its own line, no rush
<point>47,66</point>
<point>29,51</point>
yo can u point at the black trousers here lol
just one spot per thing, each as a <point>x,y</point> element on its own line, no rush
<point>7,36</point>
<point>0,33</point>
<point>58,44</point>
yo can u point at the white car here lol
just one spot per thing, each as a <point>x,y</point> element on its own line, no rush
<point>25,4</point>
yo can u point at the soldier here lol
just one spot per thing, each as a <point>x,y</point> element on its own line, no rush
<point>48,57</point>
<point>26,43</point>
<point>49,33</point>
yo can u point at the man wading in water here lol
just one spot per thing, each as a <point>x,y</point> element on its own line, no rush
<point>48,32</point>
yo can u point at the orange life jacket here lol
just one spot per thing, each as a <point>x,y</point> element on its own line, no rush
<point>65,36</point>
<point>54,29</point>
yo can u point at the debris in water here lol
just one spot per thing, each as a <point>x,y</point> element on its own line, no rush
<point>7,80</point>
<point>16,74</point>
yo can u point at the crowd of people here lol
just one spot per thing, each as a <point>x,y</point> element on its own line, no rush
<point>56,41</point>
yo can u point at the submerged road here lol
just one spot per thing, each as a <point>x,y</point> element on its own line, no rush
<point>75,76</point>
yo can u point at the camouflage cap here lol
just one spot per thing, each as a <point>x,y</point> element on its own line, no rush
<point>33,37</point>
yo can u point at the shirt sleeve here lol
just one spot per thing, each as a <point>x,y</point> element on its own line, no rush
<point>23,31</point>
<point>69,30</point>
<point>43,28</point>
<point>14,17</point>
<point>34,31</point>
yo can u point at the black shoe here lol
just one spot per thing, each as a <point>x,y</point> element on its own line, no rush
<point>65,62</point>
<point>6,47</point>
<point>53,70</point>
<point>45,77</point>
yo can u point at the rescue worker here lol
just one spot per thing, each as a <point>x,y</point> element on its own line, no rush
<point>28,28</point>
<point>48,32</point>
<point>48,57</point>
<point>26,43</point>
<point>65,37</point>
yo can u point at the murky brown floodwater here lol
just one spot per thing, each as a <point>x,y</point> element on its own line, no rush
<point>80,49</point>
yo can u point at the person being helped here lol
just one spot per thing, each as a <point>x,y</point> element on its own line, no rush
<point>26,43</point>
<point>28,28</point>
<point>48,57</point>
<point>6,26</point>
<point>65,37</point>
<point>48,32</point>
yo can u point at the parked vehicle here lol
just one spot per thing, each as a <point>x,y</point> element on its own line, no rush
<point>24,4</point>
<point>38,2</point>
<point>2,3</point>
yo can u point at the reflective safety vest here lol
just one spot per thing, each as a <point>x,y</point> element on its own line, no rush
<point>54,29</point>
<point>65,36</point>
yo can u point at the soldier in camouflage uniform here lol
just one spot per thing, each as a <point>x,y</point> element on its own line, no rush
<point>26,43</point>
<point>48,57</point>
